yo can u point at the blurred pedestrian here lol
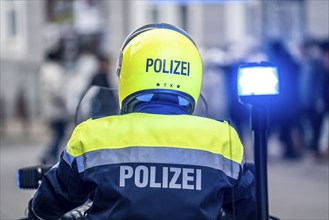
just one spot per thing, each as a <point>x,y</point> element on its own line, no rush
<point>105,101</point>
<point>325,92</point>
<point>54,109</point>
<point>79,78</point>
<point>21,111</point>
<point>285,113</point>
<point>313,85</point>
<point>214,88</point>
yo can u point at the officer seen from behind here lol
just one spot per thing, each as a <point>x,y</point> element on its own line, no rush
<point>155,160</point>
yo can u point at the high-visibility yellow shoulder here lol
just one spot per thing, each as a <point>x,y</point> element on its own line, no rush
<point>150,130</point>
<point>74,146</point>
<point>225,140</point>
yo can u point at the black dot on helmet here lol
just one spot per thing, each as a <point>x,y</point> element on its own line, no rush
<point>158,84</point>
<point>178,86</point>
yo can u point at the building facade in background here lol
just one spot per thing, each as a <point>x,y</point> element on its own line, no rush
<point>29,28</point>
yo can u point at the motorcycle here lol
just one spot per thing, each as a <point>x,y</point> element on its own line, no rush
<point>94,104</point>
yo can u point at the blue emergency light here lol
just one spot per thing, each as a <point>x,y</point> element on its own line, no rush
<point>258,86</point>
<point>258,83</point>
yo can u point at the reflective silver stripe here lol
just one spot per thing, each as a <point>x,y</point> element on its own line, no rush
<point>55,166</point>
<point>161,155</point>
<point>67,157</point>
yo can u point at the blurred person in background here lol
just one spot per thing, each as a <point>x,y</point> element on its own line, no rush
<point>54,109</point>
<point>214,88</point>
<point>105,101</point>
<point>325,127</point>
<point>80,76</point>
<point>313,93</point>
<point>286,112</point>
<point>22,111</point>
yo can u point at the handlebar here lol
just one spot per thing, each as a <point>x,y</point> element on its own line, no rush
<point>30,177</point>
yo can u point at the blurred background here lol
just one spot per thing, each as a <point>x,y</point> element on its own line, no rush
<point>52,51</point>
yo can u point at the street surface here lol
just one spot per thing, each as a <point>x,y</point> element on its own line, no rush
<point>298,190</point>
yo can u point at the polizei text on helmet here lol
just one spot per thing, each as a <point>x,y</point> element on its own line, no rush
<point>168,66</point>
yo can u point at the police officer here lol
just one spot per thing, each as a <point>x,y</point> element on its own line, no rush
<point>155,160</point>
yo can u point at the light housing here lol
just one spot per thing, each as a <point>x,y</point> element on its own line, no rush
<point>258,83</point>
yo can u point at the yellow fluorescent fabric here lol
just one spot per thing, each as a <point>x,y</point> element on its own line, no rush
<point>151,59</point>
<point>150,130</point>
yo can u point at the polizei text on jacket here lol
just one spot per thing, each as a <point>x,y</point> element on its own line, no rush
<point>164,177</point>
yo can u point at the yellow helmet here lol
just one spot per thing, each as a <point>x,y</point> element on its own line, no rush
<point>159,59</point>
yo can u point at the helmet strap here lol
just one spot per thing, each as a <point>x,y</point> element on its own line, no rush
<point>160,108</point>
<point>158,99</point>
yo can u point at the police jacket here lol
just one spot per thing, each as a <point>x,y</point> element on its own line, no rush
<point>142,166</point>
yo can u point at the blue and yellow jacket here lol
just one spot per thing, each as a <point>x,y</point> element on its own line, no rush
<point>149,166</point>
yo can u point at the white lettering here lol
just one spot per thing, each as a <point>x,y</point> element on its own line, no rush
<point>152,179</point>
<point>126,172</point>
<point>187,178</point>
<point>167,177</point>
<point>141,176</point>
<point>173,182</point>
<point>198,180</point>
